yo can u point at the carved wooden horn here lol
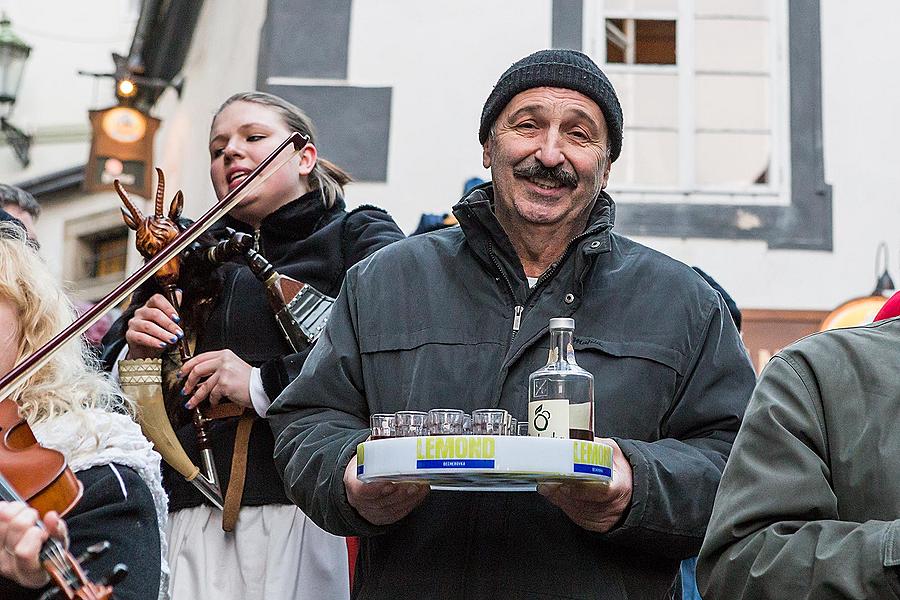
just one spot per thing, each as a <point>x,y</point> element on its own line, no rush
<point>136,217</point>
<point>160,193</point>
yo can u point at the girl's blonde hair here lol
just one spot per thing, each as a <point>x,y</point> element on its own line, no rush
<point>71,381</point>
<point>326,175</point>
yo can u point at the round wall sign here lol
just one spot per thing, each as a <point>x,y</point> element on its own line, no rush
<point>125,125</point>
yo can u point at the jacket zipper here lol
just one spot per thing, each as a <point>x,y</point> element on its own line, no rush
<point>517,319</point>
<point>517,310</point>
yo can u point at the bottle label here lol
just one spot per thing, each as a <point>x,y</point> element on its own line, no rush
<point>580,416</point>
<point>549,418</point>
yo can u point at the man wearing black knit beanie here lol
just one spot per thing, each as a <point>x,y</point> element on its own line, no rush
<point>458,318</point>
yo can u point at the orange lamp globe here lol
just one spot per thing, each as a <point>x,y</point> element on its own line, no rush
<point>858,311</point>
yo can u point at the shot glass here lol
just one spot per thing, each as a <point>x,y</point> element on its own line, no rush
<point>445,421</point>
<point>522,428</point>
<point>382,425</point>
<point>490,421</point>
<point>467,423</point>
<point>409,423</point>
<point>513,427</point>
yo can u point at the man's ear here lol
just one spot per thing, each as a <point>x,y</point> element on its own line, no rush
<point>308,160</point>
<point>606,174</point>
<point>486,152</point>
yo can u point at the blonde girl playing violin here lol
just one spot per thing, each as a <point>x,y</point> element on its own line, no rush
<point>73,408</point>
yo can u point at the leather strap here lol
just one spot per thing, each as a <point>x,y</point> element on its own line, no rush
<point>238,471</point>
<point>223,410</point>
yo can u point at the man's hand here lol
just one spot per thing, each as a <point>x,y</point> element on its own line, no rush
<point>216,375</point>
<point>382,503</point>
<point>21,541</point>
<point>593,506</point>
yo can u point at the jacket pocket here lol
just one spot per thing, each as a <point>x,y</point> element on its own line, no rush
<point>657,353</point>
<point>634,385</point>
<point>430,367</point>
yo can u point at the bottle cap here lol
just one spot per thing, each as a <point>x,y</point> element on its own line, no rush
<point>562,323</point>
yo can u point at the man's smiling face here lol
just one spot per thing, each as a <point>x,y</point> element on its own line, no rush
<point>548,155</point>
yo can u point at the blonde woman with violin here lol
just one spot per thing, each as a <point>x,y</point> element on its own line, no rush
<point>71,407</point>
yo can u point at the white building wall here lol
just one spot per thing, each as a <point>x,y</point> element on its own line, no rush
<point>441,59</point>
<point>53,102</point>
<point>861,93</point>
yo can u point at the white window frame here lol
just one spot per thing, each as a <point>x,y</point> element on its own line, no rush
<point>777,190</point>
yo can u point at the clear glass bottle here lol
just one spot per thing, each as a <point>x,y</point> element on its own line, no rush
<point>561,394</point>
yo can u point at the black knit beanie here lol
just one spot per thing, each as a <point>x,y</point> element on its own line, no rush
<point>562,69</point>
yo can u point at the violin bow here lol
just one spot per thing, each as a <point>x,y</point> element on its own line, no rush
<point>251,183</point>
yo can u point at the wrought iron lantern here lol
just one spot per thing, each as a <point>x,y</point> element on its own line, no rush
<point>13,54</point>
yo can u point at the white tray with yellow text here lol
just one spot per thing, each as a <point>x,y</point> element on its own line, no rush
<point>483,462</point>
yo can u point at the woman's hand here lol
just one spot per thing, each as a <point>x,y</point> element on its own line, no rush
<point>216,375</point>
<point>21,541</point>
<point>153,327</point>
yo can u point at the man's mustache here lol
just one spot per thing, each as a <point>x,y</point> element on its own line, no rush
<point>555,174</point>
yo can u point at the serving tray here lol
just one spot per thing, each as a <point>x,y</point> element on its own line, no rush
<point>484,462</point>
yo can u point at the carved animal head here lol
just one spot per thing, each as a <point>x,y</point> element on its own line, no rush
<point>154,232</point>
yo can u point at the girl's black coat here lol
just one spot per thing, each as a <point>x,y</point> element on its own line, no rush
<point>307,242</point>
<point>116,507</point>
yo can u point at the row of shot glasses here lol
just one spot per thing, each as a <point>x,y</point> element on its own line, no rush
<point>446,421</point>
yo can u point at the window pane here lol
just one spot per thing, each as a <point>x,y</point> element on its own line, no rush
<point>729,159</point>
<point>648,158</point>
<point>641,5</point>
<point>616,41</point>
<point>732,102</point>
<point>732,45</point>
<point>640,41</point>
<point>648,99</point>
<point>104,253</point>
<point>111,256</point>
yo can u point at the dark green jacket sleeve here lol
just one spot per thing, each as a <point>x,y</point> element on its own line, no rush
<point>776,530</point>
<point>319,420</point>
<point>676,477</point>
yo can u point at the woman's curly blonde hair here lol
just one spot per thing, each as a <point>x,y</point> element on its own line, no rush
<point>71,381</point>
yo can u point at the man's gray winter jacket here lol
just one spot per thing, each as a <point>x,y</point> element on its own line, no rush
<point>447,320</point>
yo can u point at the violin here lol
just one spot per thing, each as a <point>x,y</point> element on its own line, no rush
<point>40,477</point>
<point>38,474</point>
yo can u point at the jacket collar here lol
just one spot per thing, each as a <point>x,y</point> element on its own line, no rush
<point>487,238</point>
<point>292,222</point>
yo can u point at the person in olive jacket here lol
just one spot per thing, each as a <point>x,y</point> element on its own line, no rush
<point>465,329</point>
<point>809,505</point>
